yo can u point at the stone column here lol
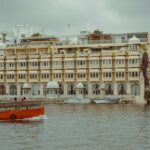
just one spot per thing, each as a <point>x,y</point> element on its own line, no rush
<point>41,89</point>
<point>102,89</point>
<point>128,84</point>
<point>7,89</point>
<point>65,89</point>
<point>89,89</point>
<point>18,89</point>
<point>115,87</point>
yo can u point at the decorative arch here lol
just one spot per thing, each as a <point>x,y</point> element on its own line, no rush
<point>71,89</point>
<point>109,89</point>
<point>122,89</point>
<point>96,89</point>
<point>25,89</point>
<point>13,90</point>
<point>2,90</point>
<point>135,89</point>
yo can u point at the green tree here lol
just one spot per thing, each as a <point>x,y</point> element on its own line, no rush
<point>97,31</point>
<point>36,35</point>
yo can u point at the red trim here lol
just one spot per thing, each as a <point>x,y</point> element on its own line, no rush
<point>21,114</point>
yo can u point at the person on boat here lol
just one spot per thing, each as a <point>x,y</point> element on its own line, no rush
<point>24,98</point>
<point>92,102</point>
<point>15,99</point>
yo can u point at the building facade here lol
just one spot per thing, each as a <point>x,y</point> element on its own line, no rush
<point>109,69</point>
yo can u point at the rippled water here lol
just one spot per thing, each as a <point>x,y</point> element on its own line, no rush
<point>81,127</point>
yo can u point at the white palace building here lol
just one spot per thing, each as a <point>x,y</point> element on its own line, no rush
<point>108,68</point>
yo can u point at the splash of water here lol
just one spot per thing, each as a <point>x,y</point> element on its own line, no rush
<point>41,117</point>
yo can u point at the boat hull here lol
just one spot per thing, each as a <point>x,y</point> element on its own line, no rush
<point>21,114</point>
<point>77,101</point>
<point>106,101</point>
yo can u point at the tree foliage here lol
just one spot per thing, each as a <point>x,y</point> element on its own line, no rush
<point>36,35</point>
<point>97,31</point>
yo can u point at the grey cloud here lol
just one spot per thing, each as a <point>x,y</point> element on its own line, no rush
<point>55,15</point>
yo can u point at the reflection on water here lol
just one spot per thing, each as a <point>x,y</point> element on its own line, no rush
<point>81,127</point>
<point>22,122</point>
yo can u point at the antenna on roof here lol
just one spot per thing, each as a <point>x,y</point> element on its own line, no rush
<point>43,30</point>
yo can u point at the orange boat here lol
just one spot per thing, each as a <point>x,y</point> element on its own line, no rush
<point>20,110</point>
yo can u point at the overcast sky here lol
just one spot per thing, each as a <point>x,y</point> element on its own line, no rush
<point>53,16</point>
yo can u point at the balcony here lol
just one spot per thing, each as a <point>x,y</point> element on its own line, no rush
<point>133,78</point>
<point>94,79</point>
<point>10,80</point>
<point>21,80</point>
<point>33,80</point>
<point>69,67</point>
<point>119,78</point>
<point>106,79</point>
<point>70,55</point>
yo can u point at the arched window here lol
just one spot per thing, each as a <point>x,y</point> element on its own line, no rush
<point>122,89</point>
<point>61,89</point>
<point>135,89</point>
<point>36,90</point>
<point>85,90</point>
<point>13,90</point>
<point>71,89</point>
<point>2,90</point>
<point>96,89</point>
<point>45,90</point>
<point>109,89</point>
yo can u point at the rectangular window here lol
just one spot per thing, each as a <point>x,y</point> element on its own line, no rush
<point>45,63</point>
<point>11,64</point>
<point>57,75</point>
<point>45,76</point>
<point>33,64</point>
<point>1,64</point>
<point>1,76</point>
<point>10,76</point>
<point>57,63</point>
<point>81,75</point>
<point>69,75</point>
<point>120,74</point>
<point>33,76</point>
<point>94,75</point>
<point>133,74</point>
<point>133,61</point>
<point>120,61</point>
<point>69,63</point>
<point>107,75</point>
<point>22,64</point>
<point>21,76</point>
<point>81,62</point>
<point>107,62</point>
<point>94,62</point>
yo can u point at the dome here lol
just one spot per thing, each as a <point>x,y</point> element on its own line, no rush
<point>26,86</point>
<point>2,45</point>
<point>134,39</point>
<point>122,49</point>
<point>52,85</point>
<point>80,86</point>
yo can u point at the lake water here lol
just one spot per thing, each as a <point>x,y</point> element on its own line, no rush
<point>81,127</point>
